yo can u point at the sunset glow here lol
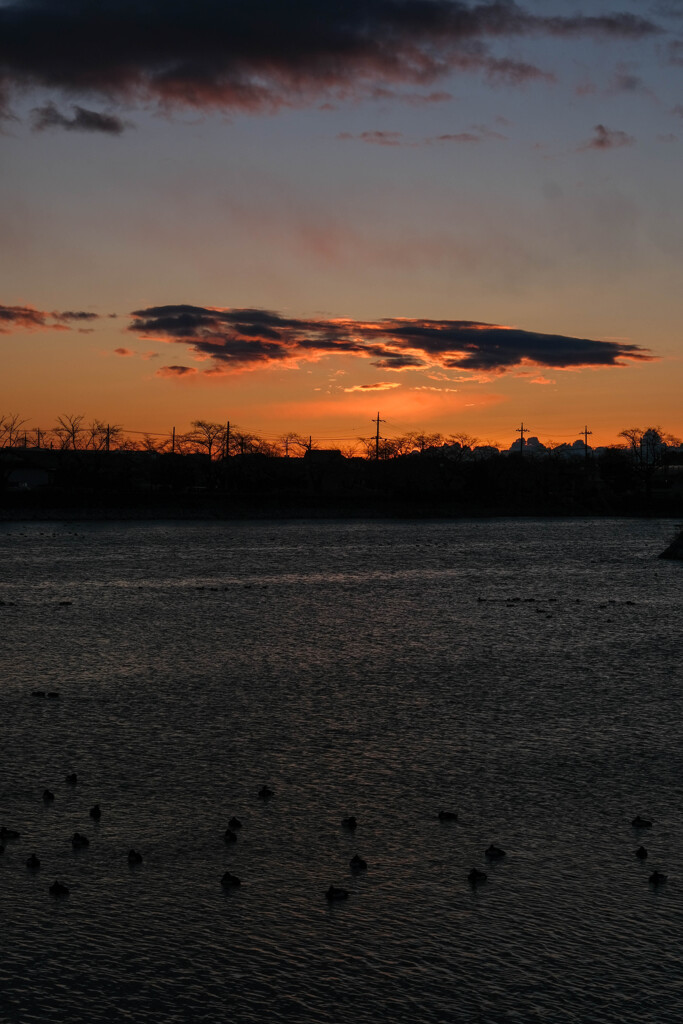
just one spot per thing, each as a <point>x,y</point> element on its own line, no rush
<point>464,216</point>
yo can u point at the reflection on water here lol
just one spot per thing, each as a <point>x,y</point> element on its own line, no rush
<point>525,674</point>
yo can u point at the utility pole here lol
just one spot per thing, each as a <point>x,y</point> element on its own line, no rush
<point>227,439</point>
<point>522,430</point>
<point>173,442</point>
<point>38,433</point>
<point>377,422</point>
<point>310,441</point>
<point>584,433</point>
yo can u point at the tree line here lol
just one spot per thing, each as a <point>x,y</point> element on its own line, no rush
<point>218,440</point>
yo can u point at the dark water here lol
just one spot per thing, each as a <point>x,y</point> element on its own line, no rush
<point>526,674</point>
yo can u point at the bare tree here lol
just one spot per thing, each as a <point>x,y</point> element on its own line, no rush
<point>208,437</point>
<point>68,431</point>
<point>10,428</point>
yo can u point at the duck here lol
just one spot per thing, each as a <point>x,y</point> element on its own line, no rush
<point>33,864</point>
<point>79,841</point>
<point>335,893</point>
<point>494,853</point>
<point>639,822</point>
<point>52,695</point>
<point>48,796</point>
<point>349,822</point>
<point>265,793</point>
<point>234,823</point>
<point>476,877</point>
<point>230,881</point>
<point>134,857</point>
<point>230,836</point>
<point>447,816</point>
<point>657,878</point>
<point>641,853</point>
<point>95,812</point>
<point>8,833</point>
<point>38,693</point>
<point>71,779</point>
<point>357,863</point>
<point>57,889</point>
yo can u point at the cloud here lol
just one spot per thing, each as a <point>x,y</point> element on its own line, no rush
<point>123,352</point>
<point>380,138</point>
<point>604,138</point>
<point>175,371</point>
<point>377,138</point>
<point>27,318</point>
<point>381,386</point>
<point>260,55</point>
<point>243,339</point>
<point>83,120</point>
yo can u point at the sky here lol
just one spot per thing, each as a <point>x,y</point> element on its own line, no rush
<point>295,216</point>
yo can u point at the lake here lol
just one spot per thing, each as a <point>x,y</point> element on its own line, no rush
<point>524,674</point>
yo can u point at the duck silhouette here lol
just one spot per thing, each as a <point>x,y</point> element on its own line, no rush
<point>334,894</point>
<point>95,812</point>
<point>349,822</point>
<point>71,779</point>
<point>494,853</point>
<point>476,877</point>
<point>8,833</point>
<point>234,823</point>
<point>447,816</point>
<point>641,853</point>
<point>33,864</point>
<point>48,796</point>
<point>358,864</point>
<point>134,857</point>
<point>639,822</point>
<point>229,836</point>
<point>229,881</point>
<point>57,889</point>
<point>657,878</point>
<point>265,793</point>
<point>79,841</point>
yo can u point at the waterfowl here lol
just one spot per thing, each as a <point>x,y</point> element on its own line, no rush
<point>38,693</point>
<point>448,816</point>
<point>358,864</point>
<point>657,878</point>
<point>95,812</point>
<point>476,877</point>
<point>230,836</point>
<point>8,833</point>
<point>494,853</point>
<point>71,779</point>
<point>52,695</point>
<point>335,893</point>
<point>349,822</point>
<point>265,793</point>
<point>79,841</point>
<point>134,857</point>
<point>2,848</point>
<point>234,823</point>
<point>57,889</point>
<point>641,853</point>
<point>639,822</point>
<point>33,864</point>
<point>229,881</point>
<point>48,796</point>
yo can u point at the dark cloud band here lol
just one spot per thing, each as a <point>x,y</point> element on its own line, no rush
<point>26,318</point>
<point>237,339</point>
<point>260,54</point>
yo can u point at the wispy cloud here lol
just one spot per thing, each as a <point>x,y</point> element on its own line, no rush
<point>604,138</point>
<point>256,55</point>
<point>242,339</point>
<point>27,318</point>
<point>82,120</point>
<point>381,386</point>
